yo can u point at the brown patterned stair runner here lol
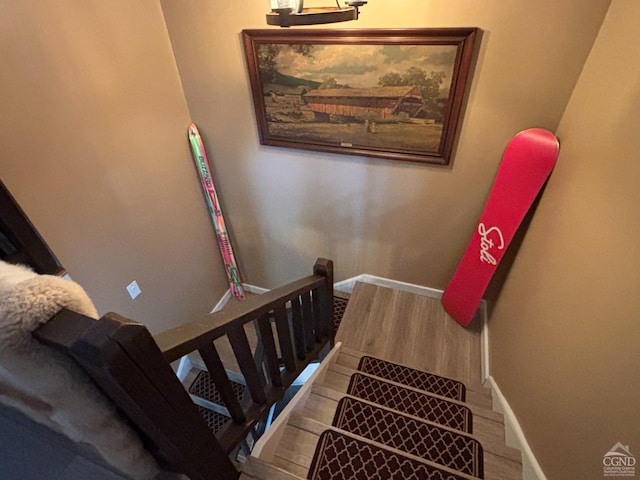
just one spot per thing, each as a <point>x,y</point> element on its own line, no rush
<point>215,420</point>
<point>204,387</point>
<point>339,456</point>
<point>413,378</point>
<point>441,446</point>
<point>411,402</point>
<point>339,307</point>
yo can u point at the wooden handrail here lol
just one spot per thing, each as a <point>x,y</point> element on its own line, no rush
<point>132,367</point>
<point>186,338</point>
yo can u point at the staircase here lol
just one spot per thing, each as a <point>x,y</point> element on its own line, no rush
<point>373,411</point>
<point>366,413</point>
<point>399,396</point>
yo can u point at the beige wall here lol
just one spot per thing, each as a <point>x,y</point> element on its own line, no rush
<point>94,148</point>
<point>565,334</point>
<point>400,220</point>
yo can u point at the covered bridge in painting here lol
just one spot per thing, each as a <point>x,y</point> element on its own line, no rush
<point>371,103</point>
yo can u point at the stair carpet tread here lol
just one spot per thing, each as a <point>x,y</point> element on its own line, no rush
<point>411,377</point>
<point>414,402</point>
<point>356,355</point>
<point>484,429</point>
<point>472,397</point>
<point>496,465</point>
<point>299,447</point>
<point>295,453</point>
<point>338,378</point>
<point>478,394</point>
<point>323,402</point>
<point>441,447</point>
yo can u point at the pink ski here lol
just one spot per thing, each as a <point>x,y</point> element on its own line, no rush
<point>211,197</point>
<point>526,164</point>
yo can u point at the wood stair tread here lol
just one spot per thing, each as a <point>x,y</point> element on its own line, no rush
<point>296,471</point>
<point>351,358</point>
<point>425,440</point>
<point>299,446</point>
<point>322,403</point>
<point>259,470</point>
<point>413,330</point>
<point>483,429</point>
<point>503,465</point>
<point>481,398</point>
<point>338,378</point>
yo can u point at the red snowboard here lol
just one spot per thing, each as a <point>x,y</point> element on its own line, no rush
<point>526,164</point>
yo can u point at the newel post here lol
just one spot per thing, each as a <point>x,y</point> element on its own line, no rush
<point>324,268</point>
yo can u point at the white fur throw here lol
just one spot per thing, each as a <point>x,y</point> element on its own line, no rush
<point>49,387</point>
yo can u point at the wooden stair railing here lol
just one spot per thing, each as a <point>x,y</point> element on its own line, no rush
<point>132,368</point>
<point>311,304</point>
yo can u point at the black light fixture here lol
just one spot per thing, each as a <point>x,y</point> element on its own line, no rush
<point>288,13</point>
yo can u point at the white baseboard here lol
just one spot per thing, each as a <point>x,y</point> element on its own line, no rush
<point>485,365</point>
<point>227,295</point>
<point>405,287</point>
<point>222,302</point>
<point>348,285</point>
<point>253,289</point>
<point>515,436</point>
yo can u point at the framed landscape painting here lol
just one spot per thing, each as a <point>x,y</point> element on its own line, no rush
<point>393,94</point>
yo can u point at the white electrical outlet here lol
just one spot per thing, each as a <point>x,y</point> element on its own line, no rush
<point>133,289</point>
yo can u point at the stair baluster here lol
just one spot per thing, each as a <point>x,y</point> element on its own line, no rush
<point>242,351</point>
<point>323,300</point>
<point>284,338</point>
<point>298,328</point>
<point>307,318</point>
<point>271,355</point>
<point>219,376</point>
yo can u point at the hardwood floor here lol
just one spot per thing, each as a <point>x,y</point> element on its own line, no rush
<point>412,330</point>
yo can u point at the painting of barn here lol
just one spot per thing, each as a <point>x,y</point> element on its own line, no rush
<point>365,103</point>
<point>368,93</point>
